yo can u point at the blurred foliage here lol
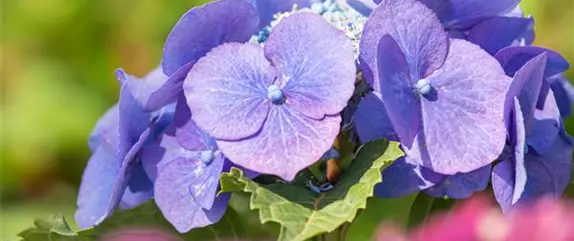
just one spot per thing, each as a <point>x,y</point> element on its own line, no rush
<point>57,63</point>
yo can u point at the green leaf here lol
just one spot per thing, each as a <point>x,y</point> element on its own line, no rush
<point>380,210</point>
<point>145,217</point>
<point>302,213</point>
<point>420,210</point>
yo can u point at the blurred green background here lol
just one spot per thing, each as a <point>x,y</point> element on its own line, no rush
<point>57,63</point>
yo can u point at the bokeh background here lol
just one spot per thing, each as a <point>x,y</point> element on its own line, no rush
<point>57,63</point>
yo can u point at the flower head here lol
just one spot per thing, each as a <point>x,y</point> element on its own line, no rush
<point>443,98</point>
<point>275,109</point>
<point>114,176</point>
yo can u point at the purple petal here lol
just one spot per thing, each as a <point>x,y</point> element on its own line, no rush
<point>177,204</point>
<point>495,33</point>
<point>417,31</point>
<point>313,66</point>
<point>98,185</point>
<point>98,197</point>
<point>463,128</point>
<point>268,8</point>
<point>458,13</point>
<point>518,142</point>
<point>526,87</point>
<point>564,94</point>
<point>106,123</point>
<point>140,189</point>
<point>188,135</point>
<point>461,185</point>
<point>549,174</point>
<point>398,93</point>
<point>170,90</point>
<point>287,143</point>
<point>364,7</point>
<point>513,58</point>
<point>371,120</point>
<point>203,28</point>
<point>503,184</point>
<point>227,91</point>
<point>545,126</point>
<point>401,178</point>
<point>509,177</point>
<point>186,141</point>
<point>142,90</point>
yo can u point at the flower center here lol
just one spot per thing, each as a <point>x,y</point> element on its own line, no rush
<point>207,157</point>
<point>275,94</point>
<point>424,86</point>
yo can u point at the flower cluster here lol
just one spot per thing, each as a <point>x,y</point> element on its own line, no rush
<point>267,86</point>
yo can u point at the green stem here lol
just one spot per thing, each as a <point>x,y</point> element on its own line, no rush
<point>420,210</point>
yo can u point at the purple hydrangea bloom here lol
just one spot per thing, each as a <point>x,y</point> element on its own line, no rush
<point>197,32</point>
<point>402,178</point>
<point>490,24</point>
<point>444,98</point>
<point>534,134</point>
<point>272,109</point>
<point>185,164</point>
<point>203,28</point>
<point>460,14</point>
<point>532,175</point>
<point>513,58</point>
<point>114,175</point>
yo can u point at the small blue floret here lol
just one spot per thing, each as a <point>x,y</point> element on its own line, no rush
<point>424,86</point>
<point>207,157</point>
<point>275,94</point>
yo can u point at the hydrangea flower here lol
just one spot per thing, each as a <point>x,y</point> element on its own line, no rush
<point>272,109</point>
<point>525,174</point>
<point>521,175</point>
<point>114,176</point>
<point>185,165</point>
<point>492,25</point>
<point>443,98</point>
<point>205,27</point>
<point>513,58</point>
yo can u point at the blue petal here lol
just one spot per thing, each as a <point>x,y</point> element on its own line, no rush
<point>401,178</point>
<point>203,28</point>
<point>364,7</point>
<point>509,176</point>
<point>513,58</point>
<point>461,185</point>
<point>178,205</point>
<point>463,127</point>
<point>268,8</point>
<point>416,29</point>
<point>545,126</point>
<point>459,14</point>
<point>526,87</point>
<point>371,120</point>
<point>503,184</point>
<point>398,94</point>
<point>496,33</point>
<point>140,189</point>
<point>100,194</point>
<point>106,123</point>
<point>548,175</point>
<point>563,92</point>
